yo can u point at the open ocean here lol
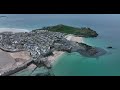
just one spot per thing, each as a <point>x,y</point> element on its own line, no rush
<point>107,26</point>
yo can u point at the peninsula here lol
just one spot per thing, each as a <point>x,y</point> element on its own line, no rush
<point>81,32</point>
<point>40,44</point>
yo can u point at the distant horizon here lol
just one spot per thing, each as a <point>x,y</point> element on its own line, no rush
<point>107,27</point>
<point>34,21</point>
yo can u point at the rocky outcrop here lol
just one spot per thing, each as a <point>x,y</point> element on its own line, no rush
<point>109,47</point>
<point>81,32</point>
<point>41,44</point>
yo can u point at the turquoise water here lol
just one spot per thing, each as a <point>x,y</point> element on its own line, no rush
<point>107,26</point>
<point>28,72</point>
<point>106,65</point>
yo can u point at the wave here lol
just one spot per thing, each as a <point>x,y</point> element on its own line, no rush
<point>13,30</point>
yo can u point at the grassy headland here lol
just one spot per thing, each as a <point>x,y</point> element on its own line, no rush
<point>83,31</point>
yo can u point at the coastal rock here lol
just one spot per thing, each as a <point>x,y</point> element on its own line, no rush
<point>81,32</point>
<point>109,47</point>
<point>92,51</point>
<point>41,44</point>
<point>44,74</point>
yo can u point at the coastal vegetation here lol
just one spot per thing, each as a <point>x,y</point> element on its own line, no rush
<point>40,44</point>
<point>83,31</point>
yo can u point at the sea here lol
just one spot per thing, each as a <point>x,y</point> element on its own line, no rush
<point>74,64</point>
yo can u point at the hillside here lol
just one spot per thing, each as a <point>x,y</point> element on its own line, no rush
<point>83,31</point>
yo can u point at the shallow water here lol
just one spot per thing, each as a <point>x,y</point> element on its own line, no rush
<point>106,65</point>
<point>108,27</point>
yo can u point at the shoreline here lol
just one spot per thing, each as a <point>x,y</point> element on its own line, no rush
<point>21,56</point>
<point>58,54</point>
<point>74,38</point>
<point>55,57</point>
<point>14,30</point>
<point>9,60</point>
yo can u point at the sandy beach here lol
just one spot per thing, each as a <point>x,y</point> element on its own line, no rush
<point>26,56</point>
<point>58,54</point>
<point>14,30</point>
<point>12,60</point>
<point>9,60</point>
<point>5,59</point>
<point>74,38</point>
<point>22,55</point>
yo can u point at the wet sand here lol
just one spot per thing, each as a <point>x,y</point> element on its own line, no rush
<point>58,54</point>
<point>22,55</point>
<point>74,38</point>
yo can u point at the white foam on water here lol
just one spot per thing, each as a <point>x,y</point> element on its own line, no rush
<point>13,30</point>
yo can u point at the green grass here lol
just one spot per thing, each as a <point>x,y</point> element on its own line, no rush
<point>85,32</point>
